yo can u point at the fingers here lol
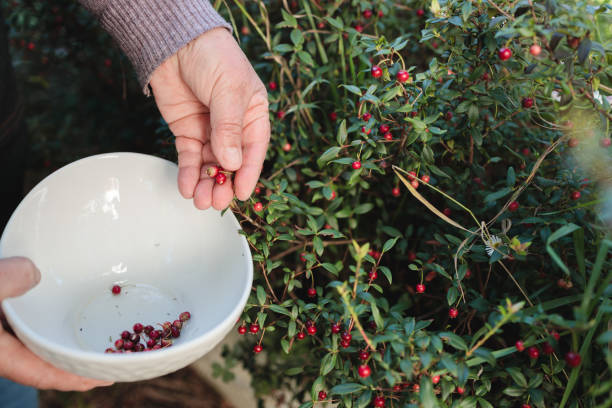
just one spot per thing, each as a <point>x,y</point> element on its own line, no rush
<point>256,139</point>
<point>227,109</point>
<point>17,276</point>
<point>20,365</point>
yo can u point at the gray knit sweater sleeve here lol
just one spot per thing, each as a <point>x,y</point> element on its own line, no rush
<point>150,31</point>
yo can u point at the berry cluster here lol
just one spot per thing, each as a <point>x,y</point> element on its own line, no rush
<point>218,174</point>
<point>157,339</point>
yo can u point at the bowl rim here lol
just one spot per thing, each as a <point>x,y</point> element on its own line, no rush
<point>220,328</point>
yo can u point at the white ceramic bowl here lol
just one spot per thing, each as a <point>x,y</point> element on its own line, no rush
<point>119,218</point>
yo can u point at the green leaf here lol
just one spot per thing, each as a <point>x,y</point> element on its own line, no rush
<point>363,208</point>
<point>485,354</point>
<point>583,50</point>
<point>346,388</point>
<point>517,376</point>
<point>294,370</point>
<point>561,232</point>
<point>353,89</point>
<point>306,58</point>
<point>510,177</point>
<point>426,394</point>
<point>261,295</point>
<point>341,136</point>
<point>280,309</point>
<point>328,155</point>
<point>328,363</point>
<point>514,391</point>
<point>389,244</point>
<point>454,340</point>
<point>296,37</point>
<point>497,195</point>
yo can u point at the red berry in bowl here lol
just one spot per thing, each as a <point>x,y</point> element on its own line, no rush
<point>138,328</point>
<point>116,289</point>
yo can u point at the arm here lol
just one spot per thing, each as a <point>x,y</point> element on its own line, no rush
<point>204,87</point>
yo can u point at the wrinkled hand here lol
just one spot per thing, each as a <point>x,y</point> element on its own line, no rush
<point>17,363</point>
<point>217,108</point>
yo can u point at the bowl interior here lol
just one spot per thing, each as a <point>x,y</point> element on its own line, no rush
<point>119,219</point>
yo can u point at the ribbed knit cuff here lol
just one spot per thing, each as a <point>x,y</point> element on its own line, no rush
<point>150,31</point>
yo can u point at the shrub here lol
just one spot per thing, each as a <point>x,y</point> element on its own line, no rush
<point>480,279</point>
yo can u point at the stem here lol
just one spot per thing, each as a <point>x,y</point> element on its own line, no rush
<point>344,293</point>
<point>512,310</point>
<point>322,52</point>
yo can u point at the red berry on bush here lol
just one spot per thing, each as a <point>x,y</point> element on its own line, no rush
<point>527,103</point>
<point>257,207</point>
<point>358,28</point>
<point>333,116</point>
<point>435,379</point>
<point>372,275</point>
<point>525,406</point>
<point>504,54</point>
<point>414,183</point>
<point>555,335</point>
<point>367,13</point>
<point>572,359</point>
<point>287,147</point>
<point>384,128</point>
<point>547,349</point>
<point>513,206</point>
<point>572,142</point>
<point>280,114</point>
<point>344,343</point>
<point>116,289</point>
<point>425,178</point>
<point>402,76</point>
<point>301,336</point>
<point>420,288</point>
<point>376,71</point>
<point>312,292</point>
<point>335,328</point>
<point>242,330</point>
<point>322,395</point>
<point>606,142</point>
<point>453,313</point>
<point>416,388</point>
<point>533,352</point>
<point>379,402</point>
<point>31,46</point>
<point>396,192</point>
<point>257,348</point>
<point>346,336</point>
<point>312,330</point>
<point>420,12</point>
<point>460,390</point>
<point>272,85</point>
<point>364,371</point>
<point>365,130</point>
<point>356,165</point>
<point>388,136</point>
<point>254,328</point>
<point>447,211</point>
<point>535,50</point>
<point>575,195</point>
<point>520,346</point>
<point>366,116</point>
<point>364,355</point>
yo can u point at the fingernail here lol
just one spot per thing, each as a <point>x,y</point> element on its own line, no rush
<point>233,157</point>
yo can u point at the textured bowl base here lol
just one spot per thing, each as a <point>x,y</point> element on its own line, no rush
<point>100,322</point>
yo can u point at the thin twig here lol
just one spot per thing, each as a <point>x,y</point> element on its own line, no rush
<point>491,2</point>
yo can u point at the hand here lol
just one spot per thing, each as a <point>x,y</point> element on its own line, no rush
<point>217,108</point>
<point>17,363</point>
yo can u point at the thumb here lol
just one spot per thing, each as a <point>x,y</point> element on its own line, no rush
<point>227,108</point>
<point>17,276</point>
